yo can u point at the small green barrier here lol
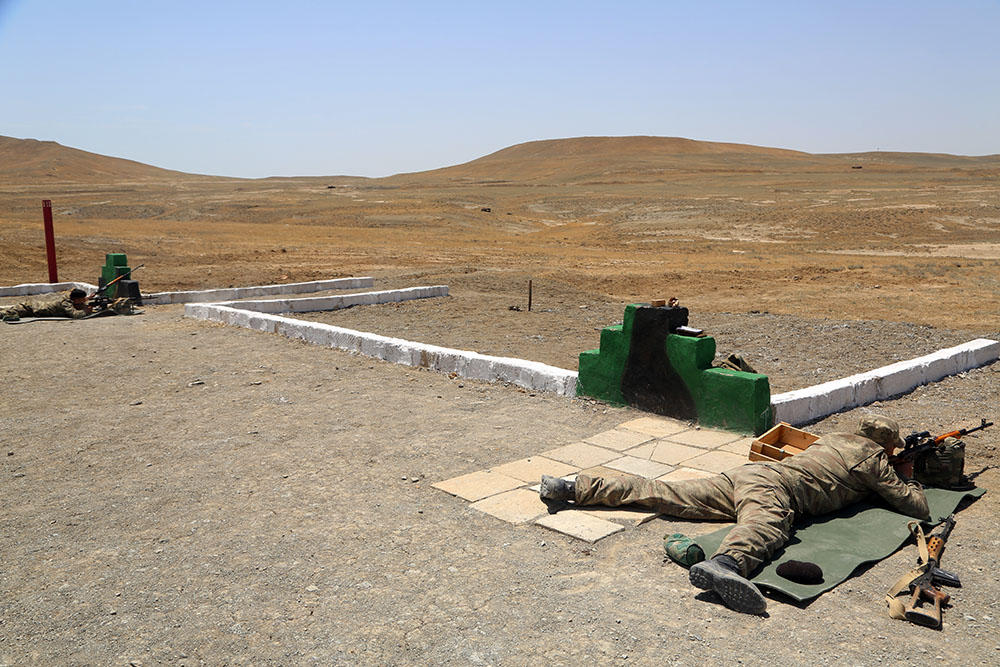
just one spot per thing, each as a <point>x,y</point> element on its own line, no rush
<point>115,265</point>
<point>719,397</point>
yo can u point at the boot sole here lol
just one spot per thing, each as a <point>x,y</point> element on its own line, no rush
<point>738,593</point>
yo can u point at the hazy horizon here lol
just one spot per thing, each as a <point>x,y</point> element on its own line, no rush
<point>318,89</point>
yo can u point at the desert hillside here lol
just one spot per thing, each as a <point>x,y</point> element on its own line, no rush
<point>615,160</point>
<point>894,236</point>
<point>29,161</point>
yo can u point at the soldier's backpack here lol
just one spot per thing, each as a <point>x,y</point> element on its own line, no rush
<point>943,466</point>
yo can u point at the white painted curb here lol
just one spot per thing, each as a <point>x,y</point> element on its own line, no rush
<point>28,289</point>
<point>805,405</point>
<point>215,295</point>
<point>258,315</point>
<point>320,303</point>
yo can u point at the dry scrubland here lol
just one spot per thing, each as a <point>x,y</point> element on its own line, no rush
<point>908,237</point>
<point>180,492</point>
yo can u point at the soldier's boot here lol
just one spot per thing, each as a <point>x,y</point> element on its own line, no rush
<point>722,575</point>
<point>556,488</point>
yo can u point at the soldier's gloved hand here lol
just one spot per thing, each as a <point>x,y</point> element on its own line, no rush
<point>12,317</point>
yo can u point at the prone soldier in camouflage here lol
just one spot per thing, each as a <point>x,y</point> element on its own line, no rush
<point>764,499</point>
<point>71,304</point>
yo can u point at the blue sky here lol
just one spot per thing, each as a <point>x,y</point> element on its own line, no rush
<point>373,88</point>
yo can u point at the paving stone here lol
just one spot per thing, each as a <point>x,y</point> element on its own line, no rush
<point>672,453</point>
<point>684,473</point>
<point>639,467</point>
<point>582,455</point>
<point>707,438</point>
<point>478,485</point>
<point>517,506</point>
<point>618,439</point>
<point>633,516</point>
<point>532,468</point>
<point>716,461</point>
<point>576,523</point>
<point>642,451</point>
<point>600,471</point>
<point>741,447</point>
<point>657,427</point>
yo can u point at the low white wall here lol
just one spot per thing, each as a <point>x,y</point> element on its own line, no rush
<point>28,289</point>
<point>320,303</point>
<point>528,374</point>
<point>215,295</point>
<point>805,405</point>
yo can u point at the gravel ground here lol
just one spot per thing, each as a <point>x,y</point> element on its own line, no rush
<point>793,352</point>
<point>186,493</point>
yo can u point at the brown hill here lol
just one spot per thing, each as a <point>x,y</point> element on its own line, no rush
<point>575,160</point>
<point>24,161</point>
<point>610,159</point>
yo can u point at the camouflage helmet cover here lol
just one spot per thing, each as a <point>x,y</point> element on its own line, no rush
<point>881,429</point>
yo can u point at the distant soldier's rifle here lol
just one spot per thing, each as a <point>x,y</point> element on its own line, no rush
<point>102,301</point>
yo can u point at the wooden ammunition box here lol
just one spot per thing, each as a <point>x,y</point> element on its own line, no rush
<point>781,441</point>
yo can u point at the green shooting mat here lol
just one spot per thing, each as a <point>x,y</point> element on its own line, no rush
<point>840,542</point>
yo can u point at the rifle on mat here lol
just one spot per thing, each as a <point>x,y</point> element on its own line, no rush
<point>921,584</point>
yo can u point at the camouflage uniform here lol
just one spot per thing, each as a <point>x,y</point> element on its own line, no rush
<point>764,499</point>
<point>57,304</point>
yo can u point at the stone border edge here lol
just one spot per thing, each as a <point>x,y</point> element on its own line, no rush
<point>805,405</point>
<point>30,289</point>
<point>260,316</point>
<point>215,295</point>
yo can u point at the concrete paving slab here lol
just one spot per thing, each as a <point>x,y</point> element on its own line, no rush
<point>672,453</point>
<point>706,438</point>
<point>618,439</point>
<point>581,455</point>
<point>532,468</point>
<point>478,485</point>
<point>643,451</point>
<point>741,447</point>
<point>600,471</point>
<point>684,473</point>
<point>631,516</point>
<point>576,523</point>
<point>517,506</point>
<point>658,427</point>
<point>716,461</point>
<point>639,467</point>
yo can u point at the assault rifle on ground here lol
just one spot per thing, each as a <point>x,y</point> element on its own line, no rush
<point>916,443</point>
<point>924,588</point>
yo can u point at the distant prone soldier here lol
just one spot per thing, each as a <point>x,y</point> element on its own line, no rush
<point>72,304</point>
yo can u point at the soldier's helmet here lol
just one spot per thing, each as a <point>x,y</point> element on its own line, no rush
<point>881,429</point>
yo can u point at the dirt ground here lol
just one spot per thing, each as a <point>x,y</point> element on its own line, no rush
<point>179,492</point>
<point>281,512</point>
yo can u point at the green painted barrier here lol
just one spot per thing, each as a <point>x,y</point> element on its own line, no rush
<point>684,385</point>
<point>115,265</point>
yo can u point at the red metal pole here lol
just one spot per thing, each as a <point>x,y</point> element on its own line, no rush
<point>50,241</point>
